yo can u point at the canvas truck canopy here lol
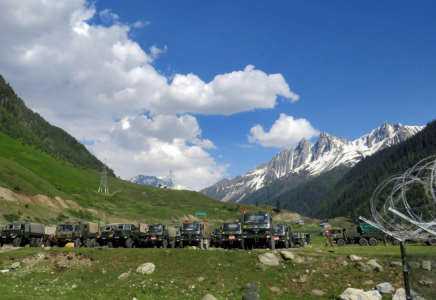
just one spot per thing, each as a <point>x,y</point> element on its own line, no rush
<point>172,231</point>
<point>93,227</point>
<point>50,230</point>
<point>37,228</point>
<point>143,227</point>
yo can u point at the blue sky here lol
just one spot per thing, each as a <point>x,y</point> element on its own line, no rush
<point>215,88</point>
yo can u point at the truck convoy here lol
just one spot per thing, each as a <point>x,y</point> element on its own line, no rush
<point>258,231</point>
<point>195,234</point>
<point>363,234</point>
<point>160,235</point>
<point>231,236</point>
<point>78,233</point>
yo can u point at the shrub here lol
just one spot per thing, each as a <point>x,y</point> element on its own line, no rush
<point>11,217</point>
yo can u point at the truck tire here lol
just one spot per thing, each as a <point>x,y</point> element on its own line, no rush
<point>32,242</point>
<point>373,242</point>
<point>242,246</point>
<point>396,242</point>
<point>431,242</point>
<point>341,243</point>
<point>129,243</point>
<point>47,243</point>
<point>164,244</point>
<point>77,243</point>
<point>110,245</point>
<point>363,242</point>
<point>38,242</point>
<point>16,242</point>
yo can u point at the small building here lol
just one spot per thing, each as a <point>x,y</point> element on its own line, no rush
<point>301,222</point>
<point>325,225</point>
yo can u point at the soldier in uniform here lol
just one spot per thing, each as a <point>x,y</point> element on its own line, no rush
<point>328,239</point>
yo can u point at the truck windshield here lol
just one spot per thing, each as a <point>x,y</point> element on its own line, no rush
<point>155,228</point>
<point>191,226</point>
<point>65,228</point>
<point>256,218</point>
<point>279,229</point>
<point>124,227</point>
<point>14,226</point>
<point>231,226</point>
<point>108,228</point>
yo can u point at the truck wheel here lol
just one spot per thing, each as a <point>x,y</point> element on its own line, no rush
<point>396,242</point>
<point>16,242</point>
<point>341,243</point>
<point>47,243</point>
<point>363,242</point>
<point>77,243</point>
<point>242,246</point>
<point>164,244</point>
<point>373,242</point>
<point>32,242</point>
<point>110,245</point>
<point>129,243</point>
<point>431,242</point>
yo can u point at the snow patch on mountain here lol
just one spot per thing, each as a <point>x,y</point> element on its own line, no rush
<point>162,182</point>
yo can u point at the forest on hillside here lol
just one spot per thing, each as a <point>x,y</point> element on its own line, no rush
<point>20,122</point>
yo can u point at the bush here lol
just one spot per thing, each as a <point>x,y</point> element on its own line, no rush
<point>11,217</point>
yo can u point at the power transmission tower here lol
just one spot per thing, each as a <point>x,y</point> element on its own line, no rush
<point>172,178</point>
<point>103,188</point>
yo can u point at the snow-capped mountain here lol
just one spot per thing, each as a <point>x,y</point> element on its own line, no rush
<point>311,160</point>
<point>163,182</point>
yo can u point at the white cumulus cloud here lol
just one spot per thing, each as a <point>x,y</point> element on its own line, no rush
<point>84,77</point>
<point>285,132</point>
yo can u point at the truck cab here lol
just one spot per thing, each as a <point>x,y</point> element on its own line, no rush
<point>125,235</point>
<point>283,236</point>
<point>258,230</point>
<point>231,236</point>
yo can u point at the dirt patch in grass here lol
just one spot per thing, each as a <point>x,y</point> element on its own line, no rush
<point>60,261</point>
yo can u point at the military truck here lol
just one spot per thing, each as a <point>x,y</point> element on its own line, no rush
<point>125,235</point>
<point>22,233</point>
<point>160,235</point>
<point>81,234</point>
<point>363,234</point>
<point>106,234</point>
<point>258,230</point>
<point>283,237</point>
<point>49,236</point>
<point>195,234</point>
<point>231,236</point>
<point>301,239</point>
<point>178,236</point>
<point>216,237</point>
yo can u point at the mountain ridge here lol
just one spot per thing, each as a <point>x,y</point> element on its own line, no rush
<point>312,159</point>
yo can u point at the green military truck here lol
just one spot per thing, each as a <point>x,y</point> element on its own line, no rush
<point>23,233</point>
<point>126,235</point>
<point>258,230</point>
<point>231,236</point>
<point>106,234</point>
<point>50,236</point>
<point>216,237</point>
<point>301,239</point>
<point>160,235</point>
<point>81,234</point>
<point>195,234</point>
<point>364,234</point>
<point>283,237</point>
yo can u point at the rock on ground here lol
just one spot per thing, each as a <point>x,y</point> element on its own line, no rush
<point>385,288</point>
<point>146,268</point>
<point>353,257</point>
<point>209,297</point>
<point>287,255</point>
<point>373,265</point>
<point>269,259</point>
<point>251,296</point>
<point>123,276</point>
<point>356,294</point>
<point>248,287</point>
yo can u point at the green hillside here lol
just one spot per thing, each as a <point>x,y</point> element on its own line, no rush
<point>19,122</point>
<point>30,171</point>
